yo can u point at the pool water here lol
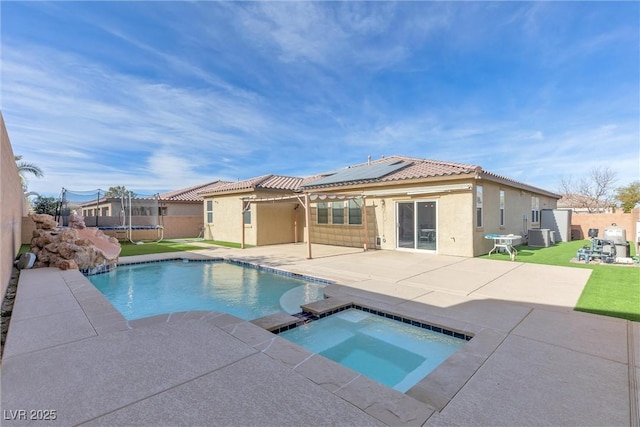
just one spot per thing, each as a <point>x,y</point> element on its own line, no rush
<point>393,353</point>
<point>143,290</point>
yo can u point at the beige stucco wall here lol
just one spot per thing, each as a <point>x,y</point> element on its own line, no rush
<point>175,227</point>
<point>182,208</point>
<point>275,223</point>
<point>271,223</point>
<point>517,207</point>
<point>454,220</point>
<point>174,208</point>
<point>226,219</point>
<point>582,222</point>
<point>28,227</point>
<point>12,208</point>
<point>182,226</point>
<point>457,234</point>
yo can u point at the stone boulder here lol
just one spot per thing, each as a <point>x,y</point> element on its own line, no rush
<point>44,221</point>
<point>76,221</point>
<point>88,249</point>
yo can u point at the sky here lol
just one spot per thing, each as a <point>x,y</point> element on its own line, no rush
<point>158,96</point>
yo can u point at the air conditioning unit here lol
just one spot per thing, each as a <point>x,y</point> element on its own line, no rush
<point>540,237</point>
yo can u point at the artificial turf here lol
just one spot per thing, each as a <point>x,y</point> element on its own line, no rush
<point>130,249</point>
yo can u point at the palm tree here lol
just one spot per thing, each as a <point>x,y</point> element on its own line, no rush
<point>27,168</point>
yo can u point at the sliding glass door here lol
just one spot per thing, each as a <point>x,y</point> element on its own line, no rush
<point>406,225</point>
<point>417,225</point>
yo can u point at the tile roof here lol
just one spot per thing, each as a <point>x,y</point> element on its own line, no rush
<point>409,168</point>
<point>416,169</point>
<point>421,169</point>
<point>264,182</point>
<point>191,194</point>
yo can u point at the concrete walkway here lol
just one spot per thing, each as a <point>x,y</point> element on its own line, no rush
<point>532,359</point>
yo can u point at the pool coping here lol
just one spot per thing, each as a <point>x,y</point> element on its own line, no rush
<point>434,390</point>
<point>439,388</point>
<point>383,403</point>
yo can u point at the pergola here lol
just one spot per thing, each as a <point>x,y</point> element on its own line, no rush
<point>306,199</point>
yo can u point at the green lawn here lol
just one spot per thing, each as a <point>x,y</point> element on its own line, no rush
<point>611,290</point>
<point>130,249</point>
<point>226,244</point>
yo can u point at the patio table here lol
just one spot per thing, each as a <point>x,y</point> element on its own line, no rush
<point>504,241</point>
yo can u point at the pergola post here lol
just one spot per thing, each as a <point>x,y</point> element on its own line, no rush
<point>364,221</point>
<point>295,224</point>
<point>307,220</point>
<point>242,219</point>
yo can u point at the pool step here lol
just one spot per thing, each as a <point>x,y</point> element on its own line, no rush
<point>305,316</point>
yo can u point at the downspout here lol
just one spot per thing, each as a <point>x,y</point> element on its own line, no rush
<point>295,224</point>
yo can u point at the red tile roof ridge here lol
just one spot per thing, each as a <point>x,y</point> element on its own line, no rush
<point>189,193</point>
<point>268,181</point>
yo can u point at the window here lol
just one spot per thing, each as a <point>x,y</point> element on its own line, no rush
<point>162,211</point>
<point>355,212</point>
<point>337,213</point>
<point>502,219</point>
<point>322,211</point>
<point>535,210</point>
<point>247,214</point>
<point>209,211</point>
<point>479,206</point>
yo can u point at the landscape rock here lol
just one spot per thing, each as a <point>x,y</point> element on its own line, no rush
<point>78,247</point>
<point>76,221</point>
<point>44,221</point>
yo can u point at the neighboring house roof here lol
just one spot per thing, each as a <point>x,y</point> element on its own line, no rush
<point>191,194</point>
<point>572,201</point>
<point>581,201</point>
<point>264,182</point>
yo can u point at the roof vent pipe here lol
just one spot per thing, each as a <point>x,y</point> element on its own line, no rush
<point>369,159</point>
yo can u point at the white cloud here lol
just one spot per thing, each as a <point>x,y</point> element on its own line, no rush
<point>337,36</point>
<point>243,89</point>
<point>77,109</point>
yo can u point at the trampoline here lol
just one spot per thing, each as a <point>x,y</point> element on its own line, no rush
<point>124,215</point>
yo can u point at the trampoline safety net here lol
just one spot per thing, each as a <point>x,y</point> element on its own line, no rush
<point>123,211</point>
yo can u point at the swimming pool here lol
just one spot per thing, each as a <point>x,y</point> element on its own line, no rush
<point>149,289</point>
<point>393,353</point>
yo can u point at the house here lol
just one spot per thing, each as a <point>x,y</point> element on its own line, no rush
<point>229,218</point>
<point>579,203</point>
<point>396,203</point>
<point>178,212</point>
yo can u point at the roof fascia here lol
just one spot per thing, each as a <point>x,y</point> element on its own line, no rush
<point>520,185</point>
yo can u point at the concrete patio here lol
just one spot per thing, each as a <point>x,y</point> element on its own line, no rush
<point>532,361</point>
